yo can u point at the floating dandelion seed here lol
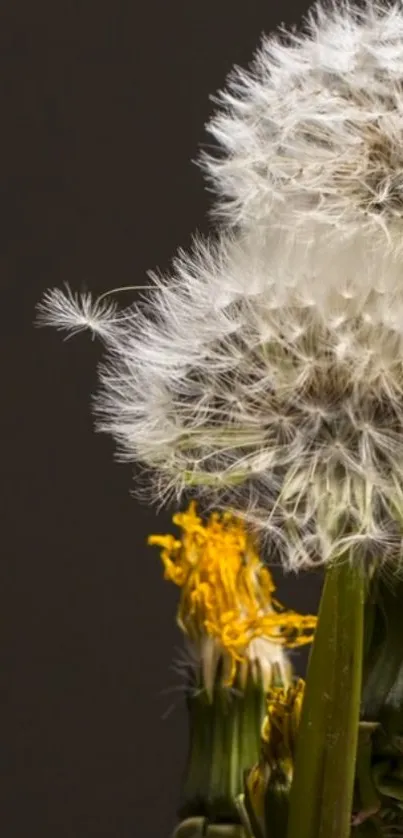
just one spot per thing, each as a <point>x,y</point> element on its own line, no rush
<point>238,636</point>
<point>72,312</point>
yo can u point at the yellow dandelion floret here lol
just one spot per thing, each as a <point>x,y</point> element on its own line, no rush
<point>227,592</point>
<point>280,726</point>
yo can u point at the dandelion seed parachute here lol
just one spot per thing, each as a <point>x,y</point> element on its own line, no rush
<point>72,312</point>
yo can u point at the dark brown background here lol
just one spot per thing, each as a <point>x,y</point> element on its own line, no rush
<point>102,110</point>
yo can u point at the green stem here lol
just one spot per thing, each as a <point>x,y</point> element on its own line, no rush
<point>322,790</point>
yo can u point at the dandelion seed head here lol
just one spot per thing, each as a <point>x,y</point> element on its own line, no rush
<point>265,371</point>
<point>253,399</point>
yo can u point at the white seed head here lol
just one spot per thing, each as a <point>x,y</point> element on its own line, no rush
<point>268,376</point>
<point>266,373</point>
<point>311,132</point>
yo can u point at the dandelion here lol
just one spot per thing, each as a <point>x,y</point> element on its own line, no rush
<point>239,633</point>
<point>264,375</point>
<point>227,607</point>
<point>266,372</point>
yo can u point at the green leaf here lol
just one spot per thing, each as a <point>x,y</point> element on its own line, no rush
<point>385,653</point>
<point>323,784</point>
<point>367,798</point>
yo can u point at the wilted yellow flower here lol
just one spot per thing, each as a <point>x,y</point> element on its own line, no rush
<point>280,726</point>
<point>227,605</point>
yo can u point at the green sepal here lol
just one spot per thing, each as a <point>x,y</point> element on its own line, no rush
<point>224,742</point>
<point>197,772</point>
